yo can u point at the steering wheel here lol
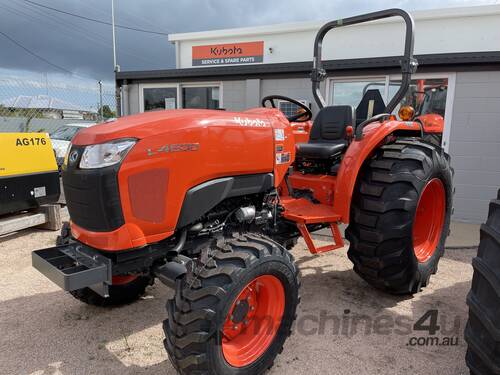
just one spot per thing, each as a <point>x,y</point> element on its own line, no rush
<point>299,117</point>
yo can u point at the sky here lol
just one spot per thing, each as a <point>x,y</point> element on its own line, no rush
<point>84,47</point>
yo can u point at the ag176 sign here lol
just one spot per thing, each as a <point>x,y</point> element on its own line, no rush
<point>230,53</point>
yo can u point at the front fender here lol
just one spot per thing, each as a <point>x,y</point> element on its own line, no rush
<point>357,152</point>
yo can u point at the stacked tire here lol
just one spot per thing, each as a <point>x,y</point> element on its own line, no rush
<point>482,332</point>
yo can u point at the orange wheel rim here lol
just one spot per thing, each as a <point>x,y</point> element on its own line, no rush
<point>253,321</point>
<point>429,220</point>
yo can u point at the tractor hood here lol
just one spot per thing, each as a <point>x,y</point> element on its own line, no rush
<point>149,124</point>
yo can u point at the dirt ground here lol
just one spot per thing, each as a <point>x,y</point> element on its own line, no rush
<point>344,326</point>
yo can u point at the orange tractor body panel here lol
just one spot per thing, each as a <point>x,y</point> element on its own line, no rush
<point>374,135</point>
<point>432,123</point>
<point>165,164</point>
<point>177,150</point>
<point>325,187</point>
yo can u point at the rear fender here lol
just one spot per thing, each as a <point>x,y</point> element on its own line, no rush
<point>358,151</point>
<point>432,123</point>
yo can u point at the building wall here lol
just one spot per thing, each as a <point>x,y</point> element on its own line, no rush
<point>435,32</point>
<point>234,95</point>
<point>133,98</point>
<point>295,88</point>
<point>475,143</point>
<point>239,95</point>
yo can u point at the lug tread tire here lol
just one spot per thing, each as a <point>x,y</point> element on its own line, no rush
<point>383,210</point>
<point>196,311</point>
<point>482,332</point>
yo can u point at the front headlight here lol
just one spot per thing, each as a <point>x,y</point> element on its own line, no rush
<point>105,154</point>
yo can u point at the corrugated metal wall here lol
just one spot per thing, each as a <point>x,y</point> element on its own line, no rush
<point>475,143</point>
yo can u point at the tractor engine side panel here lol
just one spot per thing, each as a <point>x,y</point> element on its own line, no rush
<point>160,169</point>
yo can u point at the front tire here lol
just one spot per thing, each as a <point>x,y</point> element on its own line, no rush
<point>482,332</point>
<point>125,290</point>
<point>234,309</point>
<point>400,216</point>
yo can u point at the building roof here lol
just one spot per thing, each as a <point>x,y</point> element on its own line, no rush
<point>444,62</point>
<point>38,102</point>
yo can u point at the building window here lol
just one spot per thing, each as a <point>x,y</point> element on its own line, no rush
<point>427,96</point>
<point>201,97</point>
<point>160,98</point>
<point>290,109</point>
<point>351,92</point>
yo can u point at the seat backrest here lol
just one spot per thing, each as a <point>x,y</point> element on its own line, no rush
<point>371,104</point>
<point>331,122</point>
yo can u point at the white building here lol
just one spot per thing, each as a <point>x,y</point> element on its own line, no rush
<point>458,50</point>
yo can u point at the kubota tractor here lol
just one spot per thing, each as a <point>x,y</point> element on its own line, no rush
<point>210,202</point>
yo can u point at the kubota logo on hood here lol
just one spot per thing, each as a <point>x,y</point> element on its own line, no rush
<point>245,121</point>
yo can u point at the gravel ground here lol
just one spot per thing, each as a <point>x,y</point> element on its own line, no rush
<point>344,326</point>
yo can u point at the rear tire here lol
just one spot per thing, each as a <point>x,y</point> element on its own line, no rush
<point>482,332</point>
<point>197,338</point>
<point>433,138</point>
<point>122,294</point>
<point>384,242</point>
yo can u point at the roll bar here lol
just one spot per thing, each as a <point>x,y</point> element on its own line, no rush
<point>408,62</point>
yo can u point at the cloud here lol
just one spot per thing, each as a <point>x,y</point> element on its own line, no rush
<point>85,47</point>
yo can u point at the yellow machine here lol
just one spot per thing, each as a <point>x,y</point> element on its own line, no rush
<point>28,172</point>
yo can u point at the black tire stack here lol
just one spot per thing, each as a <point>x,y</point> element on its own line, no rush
<point>482,332</point>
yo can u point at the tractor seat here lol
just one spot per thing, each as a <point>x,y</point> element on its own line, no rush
<point>371,104</point>
<point>320,150</point>
<point>328,134</point>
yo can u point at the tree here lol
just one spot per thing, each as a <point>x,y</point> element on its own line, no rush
<point>106,112</point>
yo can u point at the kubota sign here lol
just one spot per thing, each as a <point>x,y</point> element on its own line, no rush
<point>230,53</point>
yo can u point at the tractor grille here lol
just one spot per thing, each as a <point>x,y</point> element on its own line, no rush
<point>92,195</point>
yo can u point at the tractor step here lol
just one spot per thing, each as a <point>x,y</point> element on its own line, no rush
<point>337,238</point>
<point>303,212</point>
<point>73,267</point>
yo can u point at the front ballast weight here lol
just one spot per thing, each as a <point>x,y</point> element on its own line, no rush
<point>74,266</point>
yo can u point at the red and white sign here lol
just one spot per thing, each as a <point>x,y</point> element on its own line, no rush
<point>229,53</point>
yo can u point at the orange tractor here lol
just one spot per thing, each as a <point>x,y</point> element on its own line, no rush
<point>210,202</point>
